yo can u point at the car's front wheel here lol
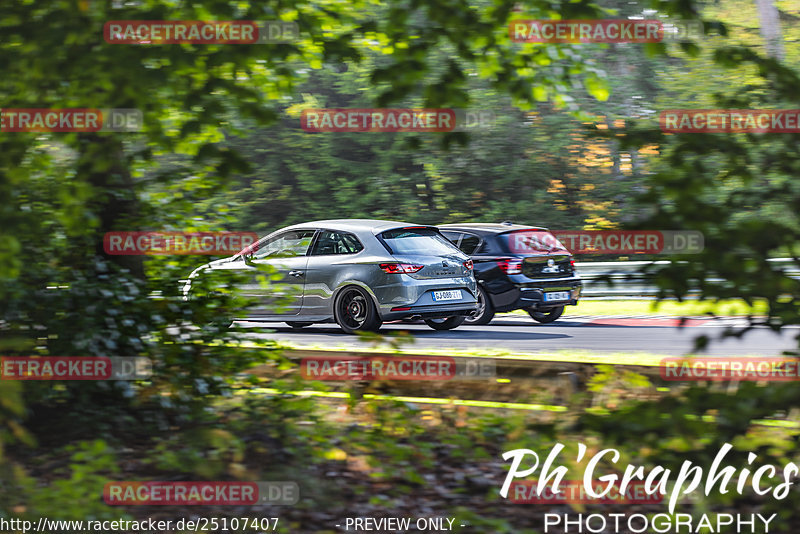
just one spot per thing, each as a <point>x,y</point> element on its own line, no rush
<point>485,311</point>
<point>446,323</point>
<point>354,311</point>
<point>548,317</point>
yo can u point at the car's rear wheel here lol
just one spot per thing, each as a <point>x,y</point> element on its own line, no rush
<point>485,311</point>
<point>354,311</point>
<point>447,323</point>
<point>546,317</point>
<point>298,324</point>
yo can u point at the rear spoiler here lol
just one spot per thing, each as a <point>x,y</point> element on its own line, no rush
<point>526,229</point>
<point>405,227</point>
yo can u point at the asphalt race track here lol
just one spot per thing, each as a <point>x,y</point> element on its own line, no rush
<point>516,333</point>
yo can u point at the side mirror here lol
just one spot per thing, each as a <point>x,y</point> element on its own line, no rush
<point>248,251</point>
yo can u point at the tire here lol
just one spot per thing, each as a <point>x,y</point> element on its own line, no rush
<point>485,312</point>
<point>548,317</point>
<point>354,311</point>
<point>445,324</point>
<point>298,324</point>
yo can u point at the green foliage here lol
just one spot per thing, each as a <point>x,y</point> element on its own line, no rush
<point>611,387</point>
<point>740,191</point>
<point>91,464</point>
<point>209,454</point>
<point>220,148</point>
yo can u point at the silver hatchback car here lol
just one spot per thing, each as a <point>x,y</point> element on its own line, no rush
<point>358,273</point>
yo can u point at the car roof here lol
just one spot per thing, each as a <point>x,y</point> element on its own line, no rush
<point>489,228</point>
<point>355,225</point>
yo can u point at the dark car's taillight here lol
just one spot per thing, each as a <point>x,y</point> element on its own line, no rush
<point>468,265</point>
<point>400,268</point>
<point>510,266</point>
<point>572,263</point>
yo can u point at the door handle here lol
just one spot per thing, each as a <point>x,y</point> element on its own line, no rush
<point>296,274</point>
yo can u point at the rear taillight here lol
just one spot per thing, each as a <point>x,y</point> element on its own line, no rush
<point>468,265</point>
<point>400,268</point>
<point>572,263</point>
<point>510,266</point>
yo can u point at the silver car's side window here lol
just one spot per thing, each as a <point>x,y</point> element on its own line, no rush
<point>330,242</point>
<point>454,237</point>
<point>287,244</point>
<point>469,243</point>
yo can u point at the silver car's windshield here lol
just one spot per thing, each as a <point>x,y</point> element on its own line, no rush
<point>417,241</point>
<point>287,244</point>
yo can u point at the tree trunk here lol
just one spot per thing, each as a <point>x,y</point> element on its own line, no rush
<point>103,165</point>
<point>770,28</point>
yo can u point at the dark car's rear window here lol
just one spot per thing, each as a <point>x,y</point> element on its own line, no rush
<point>417,241</point>
<point>532,242</point>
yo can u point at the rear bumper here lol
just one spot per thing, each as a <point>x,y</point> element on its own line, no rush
<point>438,311</point>
<point>534,298</point>
<point>407,297</point>
<point>530,294</point>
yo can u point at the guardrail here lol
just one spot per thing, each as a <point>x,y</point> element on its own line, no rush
<point>628,283</point>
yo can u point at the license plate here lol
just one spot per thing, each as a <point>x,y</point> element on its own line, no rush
<point>454,294</point>
<point>556,295</point>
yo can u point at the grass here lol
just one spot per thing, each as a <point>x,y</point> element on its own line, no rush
<point>629,358</point>
<point>666,307</point>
